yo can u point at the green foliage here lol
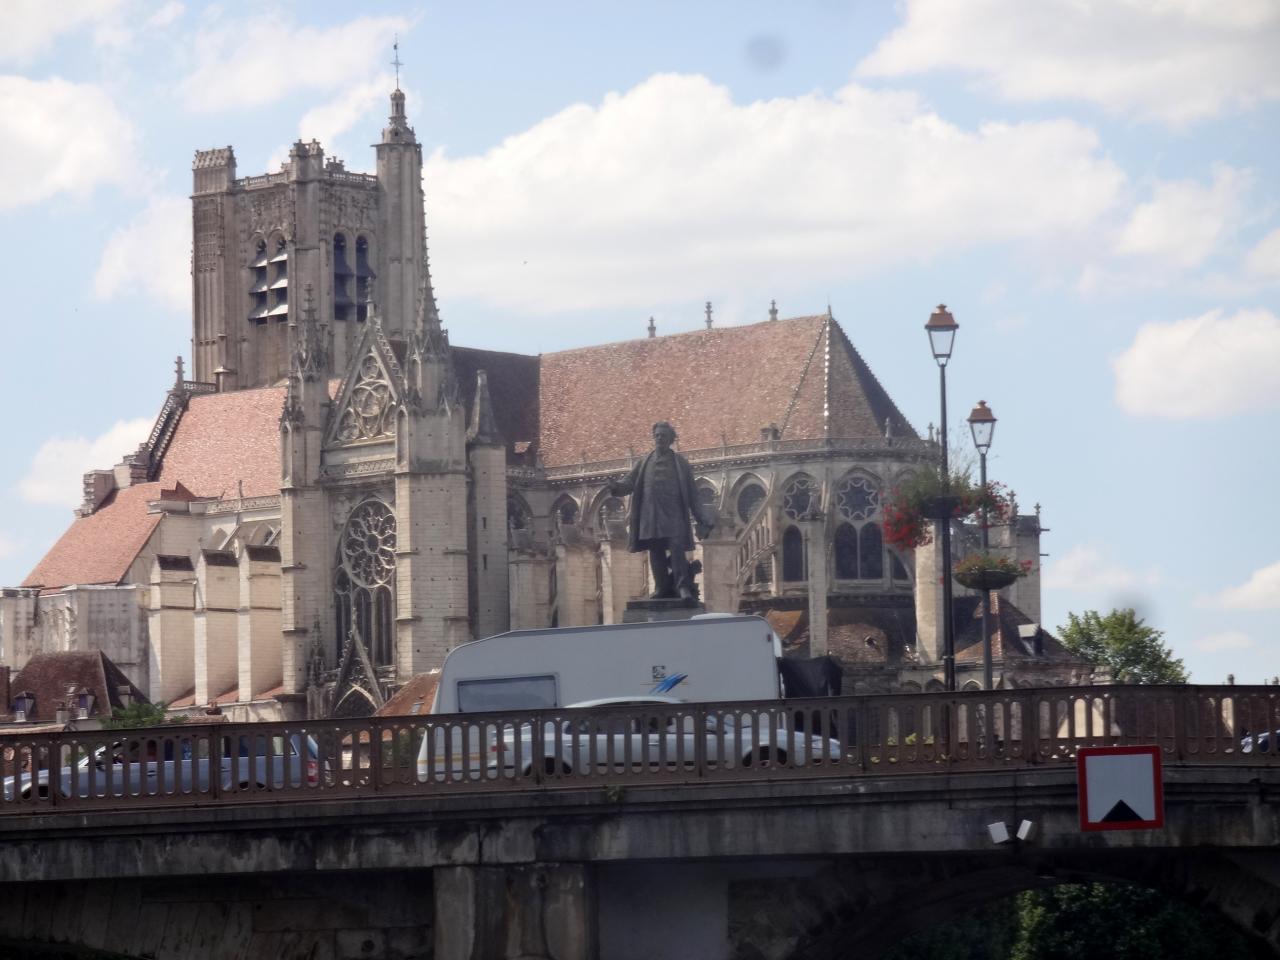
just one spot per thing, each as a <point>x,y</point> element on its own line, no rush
<point>1082,922</point>
<point>1120,921</point>
<point>1122,641</point>
<point>136,715</point>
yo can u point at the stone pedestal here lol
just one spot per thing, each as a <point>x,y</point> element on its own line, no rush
<point>649,611</point>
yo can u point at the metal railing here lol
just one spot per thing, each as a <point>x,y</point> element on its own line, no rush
<point>819,738</point>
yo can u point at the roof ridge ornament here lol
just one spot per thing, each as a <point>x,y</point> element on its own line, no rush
<point>708,314</point>
<point>773,310</point>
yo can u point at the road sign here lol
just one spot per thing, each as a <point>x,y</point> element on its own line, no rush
<point>1120,788</point>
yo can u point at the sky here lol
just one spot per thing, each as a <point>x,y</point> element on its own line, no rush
<point>1089,185</point>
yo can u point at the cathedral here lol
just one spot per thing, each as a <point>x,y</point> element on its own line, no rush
<point>338,495</point>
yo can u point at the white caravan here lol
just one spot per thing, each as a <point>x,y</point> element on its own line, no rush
<point>704,659</point>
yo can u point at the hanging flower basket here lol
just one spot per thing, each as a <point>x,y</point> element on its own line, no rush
<point>912,507</point>
<point>983,571</point>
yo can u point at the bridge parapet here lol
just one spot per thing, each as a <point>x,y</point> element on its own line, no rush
<point>619,746</point>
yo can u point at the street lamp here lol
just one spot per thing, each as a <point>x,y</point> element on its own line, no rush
<point>982,424</point>
<point>942,334</point>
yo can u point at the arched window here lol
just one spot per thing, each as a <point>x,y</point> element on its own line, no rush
<point>612,509</point>
<point>259,284</point>
<point>364,273</point>
<point>793,566</point>
<point>565,511</point>
<point>707,496</point>
<point>749,500</point>
<point>870,553</point>
<point>342,274</point>
<point>800,496</point>
<point>278,274</point>
<point>364,581</point>
<point>846,546</point>
<point>518,513</point>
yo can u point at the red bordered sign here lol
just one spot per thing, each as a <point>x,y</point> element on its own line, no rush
<point>1120,788</point>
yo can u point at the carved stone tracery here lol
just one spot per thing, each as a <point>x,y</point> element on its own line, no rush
<point>370,412</point>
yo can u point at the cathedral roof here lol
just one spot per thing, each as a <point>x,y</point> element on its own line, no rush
<point>226,443</point>
<point>721,385</point>
<point>99,548</point>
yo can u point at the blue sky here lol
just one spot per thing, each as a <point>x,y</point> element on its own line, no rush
<point>1091,187</point>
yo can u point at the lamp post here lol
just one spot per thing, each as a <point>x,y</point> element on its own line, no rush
<point>942,334</point>
<point>982,424</point>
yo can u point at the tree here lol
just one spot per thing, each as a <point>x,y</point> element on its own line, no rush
<point>136,715</point>
<point>1122,641</point>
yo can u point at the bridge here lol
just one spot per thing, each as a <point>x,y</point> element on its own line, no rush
<point>818,828</point>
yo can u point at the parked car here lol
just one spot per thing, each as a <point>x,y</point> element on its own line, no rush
<point>154,765</point>
<point>640,732</point>
<point>1263,741</point>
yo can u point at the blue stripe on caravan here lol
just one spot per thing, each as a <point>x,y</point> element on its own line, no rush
<point>669,684</point>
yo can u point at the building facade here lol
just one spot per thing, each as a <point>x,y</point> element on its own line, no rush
<point>339,495</point>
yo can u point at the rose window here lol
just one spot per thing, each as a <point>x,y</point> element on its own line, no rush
<point>800,497</point>
<point>364,581</point>
<point>858,498</point>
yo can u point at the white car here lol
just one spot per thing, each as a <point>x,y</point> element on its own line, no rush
<point>156,765</point>
<point>629,733</point>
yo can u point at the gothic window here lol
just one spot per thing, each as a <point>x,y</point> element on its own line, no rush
<point>707,495</point>
<point>258,284</point>
<point>612,509</point>
<point>370,413</point>
<point>793,566</point>
<point>565,511</point>
<point>364,582</point>
<point>364,273</point>
<point>518,514</point>
<point>749,501</point>
<point>857,497</point>
<point>800,497</point>
<point>342,274</point>
<point>846,547</point>
<point>278,276</point>
<point>870,553</point>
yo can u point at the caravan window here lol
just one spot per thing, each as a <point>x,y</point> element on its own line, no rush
<point>507,693</point>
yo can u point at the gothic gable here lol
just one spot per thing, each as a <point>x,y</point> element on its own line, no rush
<point>371,394</point>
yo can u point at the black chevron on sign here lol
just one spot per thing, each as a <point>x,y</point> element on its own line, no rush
<point>1121,813</point>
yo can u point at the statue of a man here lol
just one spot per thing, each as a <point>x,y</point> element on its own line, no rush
<point>663,496</point>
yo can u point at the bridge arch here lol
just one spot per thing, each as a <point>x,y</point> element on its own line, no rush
<point>867,907</point>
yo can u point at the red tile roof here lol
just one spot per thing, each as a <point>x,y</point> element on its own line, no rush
<point>718,385</point>
<point>52,676</point>
<point>224,439</point>
<point>100,547</point>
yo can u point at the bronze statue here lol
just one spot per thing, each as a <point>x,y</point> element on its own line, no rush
<point>663,496</point>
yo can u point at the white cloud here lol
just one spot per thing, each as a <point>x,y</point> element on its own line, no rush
<point>164,228</point>
<point>1085,568</point>
<point>57,471</point>
<point>60,137</point>
<point>1184,222</point>
<point>1264,259</point>
<point>671,187</point>
<point>166,15</point>
<point>1260,592</point>
<point>266,57</point>
<point>1227,640</point>
<point>28,28</point>
<point>331,120</point>
<point>1206,366</point>
<point>9,546</point>
<point>1174,60</point>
